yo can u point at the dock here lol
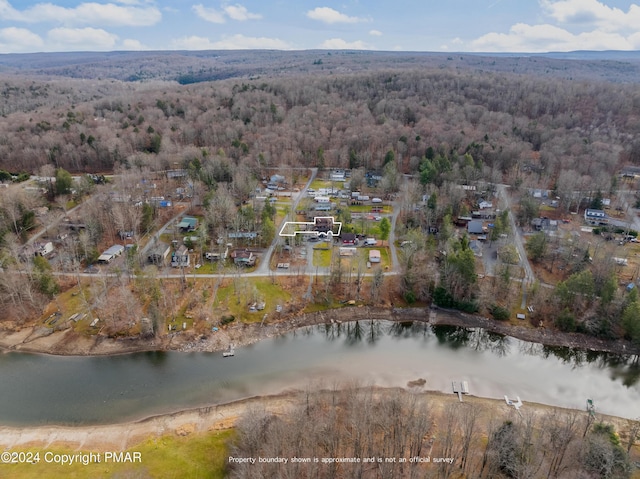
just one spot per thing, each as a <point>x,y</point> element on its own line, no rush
<point>460,388</point>
<point>517,404</point>
<point>229,352</point>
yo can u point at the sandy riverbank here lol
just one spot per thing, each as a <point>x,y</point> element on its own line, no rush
<point>68,342</point>
<point>123,436</point>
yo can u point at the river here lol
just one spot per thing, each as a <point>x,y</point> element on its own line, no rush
<point>40,389</point>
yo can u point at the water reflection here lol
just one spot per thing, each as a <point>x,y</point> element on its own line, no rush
<point>42,389</point>
<point>452,336</point>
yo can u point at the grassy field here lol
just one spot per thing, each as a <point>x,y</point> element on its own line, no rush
<point>317,184</point>
<point>386,209</point>
<point>322,257</point>
<point>202,455</point>
<point>235,296</point>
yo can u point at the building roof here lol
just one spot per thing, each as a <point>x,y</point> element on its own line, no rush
<point>115,249</point>
<point>181,251</point>
<point>348,237</point>
<point>188,222</point>
<point>475,227</point>
<point>241,254</point>
<point>596,213</point>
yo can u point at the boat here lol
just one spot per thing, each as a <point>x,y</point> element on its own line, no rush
<point>229,352</point>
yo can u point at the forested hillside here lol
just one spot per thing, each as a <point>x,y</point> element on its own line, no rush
<point>462,133</point>
<point>504,121</point>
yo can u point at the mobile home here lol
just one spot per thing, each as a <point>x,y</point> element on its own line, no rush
<point>113,252</point>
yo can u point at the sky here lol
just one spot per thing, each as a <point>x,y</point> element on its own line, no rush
<point>523,26</point>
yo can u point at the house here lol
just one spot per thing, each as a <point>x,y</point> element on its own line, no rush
<point>243,257</point>
<point>43,249</point>
<point>113,252</point>
<point>180,257</point>
<point>374,256</point>
<point>337,175</point>
<point>349,239</point>
<point>475,227</point>
<point>176,174</point>
<point>323,224</point>
<point>159,254</point>
<point>630,171</point>
<point>211,256</point>
<point>595,217</point>
<point>488,214</point>
<point>485,204</point>
<point>188,223</point>
<point>243,235</point>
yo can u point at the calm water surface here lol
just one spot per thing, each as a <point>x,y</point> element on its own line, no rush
<point>37,389</point>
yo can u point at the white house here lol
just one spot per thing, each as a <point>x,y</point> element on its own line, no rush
<point>595,217</point>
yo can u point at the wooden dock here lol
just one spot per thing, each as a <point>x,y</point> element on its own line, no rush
<point>460,388</point>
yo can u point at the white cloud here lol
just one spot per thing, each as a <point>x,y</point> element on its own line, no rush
<point>329,15</point>
<point>234,42</point>
<point>546,38</point>
<point>131,44</point>
<point>375,33</point>
<point>340,44</point>
<point>81,39</point>
<point>209,14</point>
<point>234,12</point>
<point>592,13</point>
<point>132,2</point>
<point>89,13</point>
<point>16,40</point>
<point>240,13</point>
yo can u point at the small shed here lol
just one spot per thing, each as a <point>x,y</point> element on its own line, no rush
<point>374,256</point>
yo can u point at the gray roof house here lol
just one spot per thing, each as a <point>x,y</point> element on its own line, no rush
<point>475,227</point>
